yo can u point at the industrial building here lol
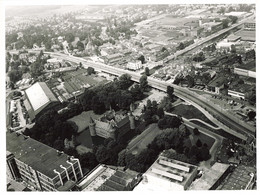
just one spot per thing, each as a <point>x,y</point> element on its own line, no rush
<point>39,98</point>
<point>167,174</point>
<point>39,165</point>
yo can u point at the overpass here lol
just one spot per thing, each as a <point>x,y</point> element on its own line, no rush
<point>225,118</point>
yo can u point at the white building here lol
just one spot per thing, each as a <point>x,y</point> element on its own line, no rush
<point>134,65</point>
<point>167,174</point>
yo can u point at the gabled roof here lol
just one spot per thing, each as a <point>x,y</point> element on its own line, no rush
<point>39,96</point>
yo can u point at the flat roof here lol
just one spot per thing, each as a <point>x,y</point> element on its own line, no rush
<point>235,13</point>
<point>239,178</point>
<point>247,35</point>
<point>176,171</point>
<point>209,177</point>
<point>39,96</point>
<point>37,155</point>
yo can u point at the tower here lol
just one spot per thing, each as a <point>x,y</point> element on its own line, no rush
<point>132,121</point>
<point>92,127</point>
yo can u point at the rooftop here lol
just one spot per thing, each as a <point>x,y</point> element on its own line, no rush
<point>247,35</point>
<point>209,177</point>
<point>39,96</point>
<point>217,82</point>
<point>37,155</point>
<point>106,178</point>
<point>239,179</point>
<point>171,170</point>
<point>248,66</point>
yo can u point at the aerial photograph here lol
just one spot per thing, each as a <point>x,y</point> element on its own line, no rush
<point>130,97</point>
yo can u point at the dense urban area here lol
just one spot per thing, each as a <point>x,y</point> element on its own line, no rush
<point>131,97</point>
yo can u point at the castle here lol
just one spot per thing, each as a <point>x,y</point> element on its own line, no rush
<point>112,125</point>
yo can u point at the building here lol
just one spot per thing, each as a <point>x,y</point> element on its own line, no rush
<point>249,25</point>
<point>109,178</point>
<point>39,165</point>
<point>240,90</point>
<point>233,38</point>
<point>167,174</point>
<point>216,84</point>
<point>38,99</point>
<point>111,124</point>
<point>248,70</point>
<point>240,15</point>
<point>211,178</point>
<point>114,58</point>
<point>242,178</point>
<point>134,65</point>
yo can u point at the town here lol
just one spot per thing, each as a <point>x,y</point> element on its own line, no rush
<point>131,97</point>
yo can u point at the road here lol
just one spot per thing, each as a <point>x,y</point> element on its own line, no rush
<point>206,39</point>
<point>223,116</point>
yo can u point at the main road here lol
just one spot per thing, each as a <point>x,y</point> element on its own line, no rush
<point>224,117</point>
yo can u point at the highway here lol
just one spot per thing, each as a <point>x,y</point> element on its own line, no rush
<point>224,117</point>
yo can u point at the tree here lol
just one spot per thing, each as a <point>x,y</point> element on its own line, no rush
<point>181,46</point>
<point>90,70</point>
<point>251,115</point>
<point>233,49</point>
<point>88,160</point>
<point>80,46</point>
<point>149,104</point>
<point>147,71</point>
<point>101,154</point>
<point>225,23</point>
<point>143,83</point>
<point>121,158</point>
<point>15,75</point>
<point>160,112</point>
<point>136,92</point>
<point>69,37</point>
<point>198,143</point>
<point>233,19</point>
<point>170,91</point>
<point>196,131</point>
<point>124,81</point>
<point>142,59</point>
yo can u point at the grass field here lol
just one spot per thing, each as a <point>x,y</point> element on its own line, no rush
<point>189,112</point>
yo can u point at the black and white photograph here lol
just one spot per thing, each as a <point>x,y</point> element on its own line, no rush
<point>141,97</point>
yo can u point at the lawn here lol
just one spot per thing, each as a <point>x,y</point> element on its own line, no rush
<point>189,112</point>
